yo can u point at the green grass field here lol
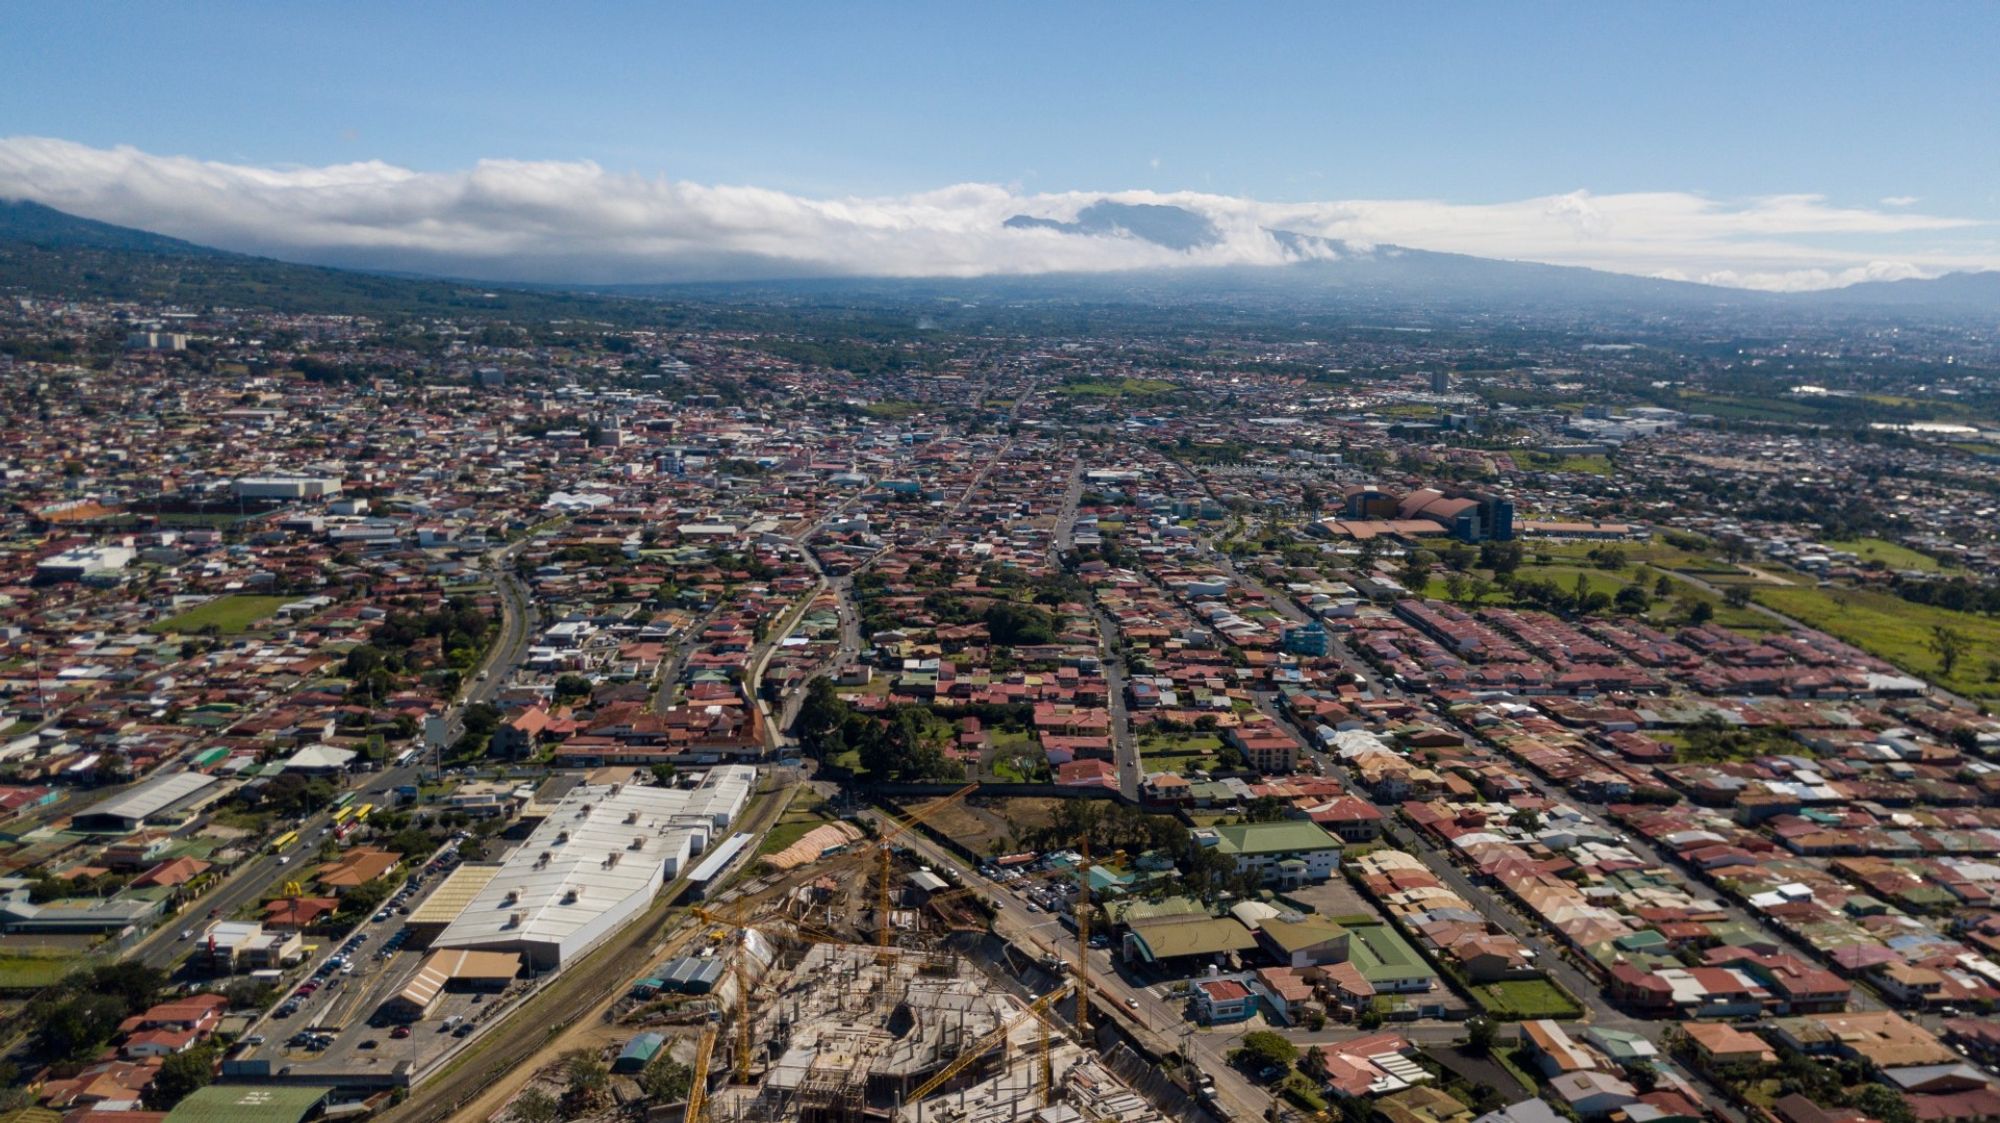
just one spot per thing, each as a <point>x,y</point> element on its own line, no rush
<point>894,408</point>
<point>1525,999</point>
<point>1595,465</point>
<point>1891,554</point>
<point>1894,629</point>
<point>806,811</point>
<point>1179,752</point>
<point>231,615</point>
<point>1749,620</point>
<point>1114,387</point>
<point>27,971</point>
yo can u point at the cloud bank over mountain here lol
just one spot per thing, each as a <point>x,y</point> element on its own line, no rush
<point>575,221</point>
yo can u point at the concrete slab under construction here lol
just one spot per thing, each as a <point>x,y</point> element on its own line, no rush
<point>845,1033</point>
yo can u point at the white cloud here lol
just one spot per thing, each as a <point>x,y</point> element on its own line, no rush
<point>1807,280</point>
<point>1900,200</point>
<point>563,220</point>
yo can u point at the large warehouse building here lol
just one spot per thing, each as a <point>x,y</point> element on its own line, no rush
<point>595,863</point>
<point>163,798</point>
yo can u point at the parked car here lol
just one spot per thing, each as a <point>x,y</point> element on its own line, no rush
<point>400,1032</point>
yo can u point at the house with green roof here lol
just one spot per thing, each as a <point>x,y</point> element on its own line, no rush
<point>1387,961</point>
<point>1306,942</point>
<point>1186,940</point>
<point>249,1103</point>
<point>1287,853</point>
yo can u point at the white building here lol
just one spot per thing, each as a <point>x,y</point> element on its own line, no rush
<point>285,487</point>
<point>594,864</point>
<point>75,564</point>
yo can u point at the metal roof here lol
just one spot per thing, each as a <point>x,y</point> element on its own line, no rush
<point>599,848</point>
<point>151,797</point>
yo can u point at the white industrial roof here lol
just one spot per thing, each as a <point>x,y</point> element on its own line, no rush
<point>600,846</point>
<point>153,796</point>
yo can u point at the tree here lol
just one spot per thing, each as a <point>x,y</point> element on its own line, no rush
<point>1371,552</point>
<point>571,688</point>
<point>1456,587</point>
<point>1664,587</point>
<point>1262,1047</point>
<point>1736,596</point>
<point>179,1076</point>
<point>535,1105</point>
<point>1500,557</point>
<point>1632,600</point>
<point>1011,625</point>
<point>1883,1102</point>
<point>1479,1036</point>
<point>1415,573</point>
<point>667,1081</point>
<point>78,1026</point>
<point>1949,645</point>
<point>587,1078</point>
<point>821,715</point>
<point>1699,612</point>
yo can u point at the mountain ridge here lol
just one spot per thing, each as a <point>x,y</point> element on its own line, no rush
<point>48,250</point>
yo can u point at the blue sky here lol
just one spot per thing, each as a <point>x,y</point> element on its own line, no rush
<point>1469,104</point>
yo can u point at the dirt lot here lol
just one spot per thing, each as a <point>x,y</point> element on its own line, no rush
<point>977,826</point>
<point>1335,898</point>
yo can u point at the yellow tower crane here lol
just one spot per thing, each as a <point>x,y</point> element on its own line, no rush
<point>698,1091</point>
<point>739,924</point>
<point>987,1043</point>
<point>889,836</point>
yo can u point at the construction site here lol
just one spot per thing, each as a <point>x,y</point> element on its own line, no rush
<point>845,983</point>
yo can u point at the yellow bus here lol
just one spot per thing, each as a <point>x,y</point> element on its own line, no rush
<point>284,840</point>
<point>361,813</point>
<point>341,815</point>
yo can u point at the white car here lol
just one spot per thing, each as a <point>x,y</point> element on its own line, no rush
<point>284,859</point>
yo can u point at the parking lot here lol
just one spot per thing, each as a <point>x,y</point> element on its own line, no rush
<point>331,1023</point>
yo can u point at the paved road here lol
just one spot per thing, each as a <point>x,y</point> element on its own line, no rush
<point>1124,746</point>
<point>253,877</point>
<point>1152,1019</point>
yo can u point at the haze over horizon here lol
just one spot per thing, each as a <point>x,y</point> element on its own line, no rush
<point>630,145</point>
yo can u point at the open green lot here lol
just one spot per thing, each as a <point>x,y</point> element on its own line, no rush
<point>1891,554</point>
<point>32,972</point>
<point>806,811</point>
<point>1595,465</point>
<point>1114,387</point>
<point>1525,999</point>
<point>229,615</point>
<point>1179,752</point>
<point>1894,629</point>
